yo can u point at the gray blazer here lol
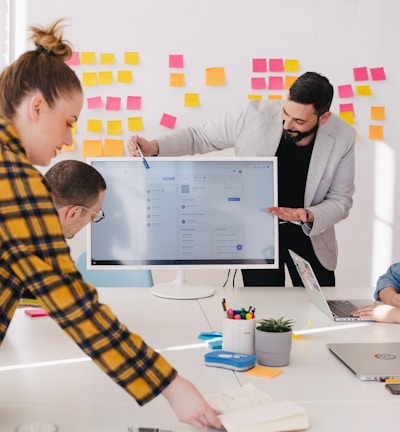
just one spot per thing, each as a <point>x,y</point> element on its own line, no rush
<point>256,130</point>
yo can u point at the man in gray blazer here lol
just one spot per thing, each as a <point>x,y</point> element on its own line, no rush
<point>315,151</point>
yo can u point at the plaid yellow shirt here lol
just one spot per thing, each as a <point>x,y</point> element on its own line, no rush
<point>34,254</point>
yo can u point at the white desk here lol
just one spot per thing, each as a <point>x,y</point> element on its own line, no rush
<point>80,398</point>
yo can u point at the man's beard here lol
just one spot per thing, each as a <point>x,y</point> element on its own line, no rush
<point>299,135</point>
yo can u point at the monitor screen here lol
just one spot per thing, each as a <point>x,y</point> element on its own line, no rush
<point>186,212</point>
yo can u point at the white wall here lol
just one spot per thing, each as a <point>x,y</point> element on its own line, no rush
<point>328,37</point>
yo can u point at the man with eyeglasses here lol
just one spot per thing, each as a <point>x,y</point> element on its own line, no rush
<point>78,190</point>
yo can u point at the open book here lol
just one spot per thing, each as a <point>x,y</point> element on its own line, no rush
<point>247,409</point>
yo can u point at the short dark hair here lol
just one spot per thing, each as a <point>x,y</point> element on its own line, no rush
<point>312,88</point>
<point>74,182</point>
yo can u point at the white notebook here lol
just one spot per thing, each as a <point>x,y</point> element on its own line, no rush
<point>247,409</point>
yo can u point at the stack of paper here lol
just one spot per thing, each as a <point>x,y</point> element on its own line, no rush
<point>247,409</point>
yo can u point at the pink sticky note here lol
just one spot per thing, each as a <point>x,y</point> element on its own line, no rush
<point>113,103</point>
<point>74,60</point>
<point>360,73</point>
<point>345,91</point>
<point>275,83</point>
<point>276,65</point>
<point>94,102</point>
<point>37,312</point>
<point>133,102</point>
<point>168,121</point>
<point>348,107</point>
<point>176,61</point>
<point>259,65</point>
<point>258,83</point>
<point>378,74</point>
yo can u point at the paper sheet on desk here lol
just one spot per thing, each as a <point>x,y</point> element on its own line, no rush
<point>250,410</point>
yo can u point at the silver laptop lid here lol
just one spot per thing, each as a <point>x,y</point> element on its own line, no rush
<point>371,361</point>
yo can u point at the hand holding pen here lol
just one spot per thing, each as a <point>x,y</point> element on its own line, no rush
<point>148,148</point>
<point>139,151</point>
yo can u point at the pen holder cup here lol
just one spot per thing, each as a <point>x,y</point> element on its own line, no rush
<point>238,335</point>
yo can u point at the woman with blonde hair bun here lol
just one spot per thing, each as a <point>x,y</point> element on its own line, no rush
<point>40,100</point>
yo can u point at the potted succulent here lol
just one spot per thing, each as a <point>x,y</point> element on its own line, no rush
<point>273,341</point>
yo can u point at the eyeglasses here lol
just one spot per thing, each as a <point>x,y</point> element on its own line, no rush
<point>99,215</point>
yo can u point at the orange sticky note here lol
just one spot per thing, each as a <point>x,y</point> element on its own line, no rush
<point>376,132</point>
<point>377,113</point>
<point>177,79</point>
<point>215,76</point>
<point>275,97</point>
<point>113,147</point>
<point>92,148</point>
<point>289,80</point>
<point>264,372</point>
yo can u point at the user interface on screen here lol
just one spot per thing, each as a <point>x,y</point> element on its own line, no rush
<point>186,212</point>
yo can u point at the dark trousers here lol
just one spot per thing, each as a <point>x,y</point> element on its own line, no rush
<point>290,237</point>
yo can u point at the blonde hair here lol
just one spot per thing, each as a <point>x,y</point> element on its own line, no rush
<point>42,69</point>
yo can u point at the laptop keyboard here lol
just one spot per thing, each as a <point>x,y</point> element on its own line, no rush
<point>341,308</point>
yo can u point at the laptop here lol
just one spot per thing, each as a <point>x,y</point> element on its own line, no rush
<point>337,310</point>
<point>371,361</point>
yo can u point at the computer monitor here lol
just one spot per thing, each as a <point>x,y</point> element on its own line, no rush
<point>186,212</point>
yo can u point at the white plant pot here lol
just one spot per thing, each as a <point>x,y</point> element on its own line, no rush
<point>273,349</point>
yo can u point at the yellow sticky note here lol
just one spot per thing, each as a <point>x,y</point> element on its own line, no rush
<point>135,124</point>
<point>105,77</point>
<point>89,78</point>
<point>88,58</point>
<point>254,96</point>
<point>215,76</point>
<point>192,100</point>
<point>289,80</point>
<point>376,132</point>
<point>263,372</point>
<point>107,58</point>
<point>291,65</point>
<point>177,79</point>
<point>377,113</point>
<point>70,148</point>
<point>278,97</point>
<point>347,116</point>
<point>363,90</point>
<point>125,76</point>
<point>114,127</point>
<point>131,58</point>
<point>92,148</point>
<point>74,128</point>
<point>113,147</point>
<point>94,126</point>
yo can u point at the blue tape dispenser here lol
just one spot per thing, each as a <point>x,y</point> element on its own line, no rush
<point>230,360</point>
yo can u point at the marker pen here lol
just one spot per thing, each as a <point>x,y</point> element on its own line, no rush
<point>141,155</point>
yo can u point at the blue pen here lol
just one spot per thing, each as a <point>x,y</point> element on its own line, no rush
<point>143,158</point>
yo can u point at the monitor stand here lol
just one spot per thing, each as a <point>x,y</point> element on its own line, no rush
<point>181,289</point>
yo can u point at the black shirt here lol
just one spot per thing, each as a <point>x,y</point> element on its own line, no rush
<point>293,163</point>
